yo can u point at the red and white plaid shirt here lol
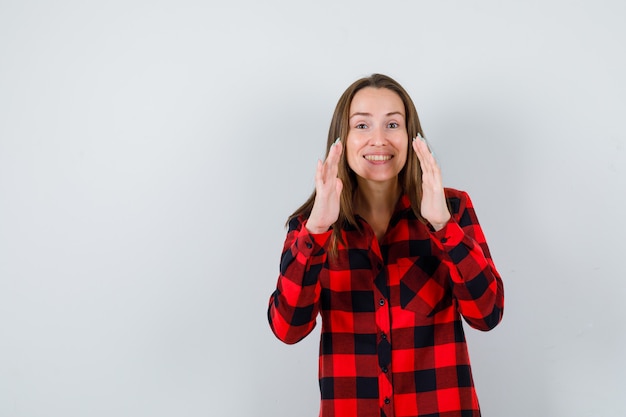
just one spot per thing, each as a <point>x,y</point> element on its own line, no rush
<point>392,341</point>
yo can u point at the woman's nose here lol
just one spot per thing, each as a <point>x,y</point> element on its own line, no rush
<point>378,137</point>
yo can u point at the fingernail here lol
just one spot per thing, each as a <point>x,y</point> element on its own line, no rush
<point>419,135</point>
<point>337,140</point>
<point>413,140</point>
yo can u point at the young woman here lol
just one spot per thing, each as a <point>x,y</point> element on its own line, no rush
<point>391,260</point>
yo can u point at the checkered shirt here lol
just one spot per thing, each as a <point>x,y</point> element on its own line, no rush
<point>392,340</point>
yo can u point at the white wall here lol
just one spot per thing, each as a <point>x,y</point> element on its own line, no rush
<point>150,153</point>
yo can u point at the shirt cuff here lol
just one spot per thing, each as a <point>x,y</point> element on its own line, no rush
<point>311,243</point>
<point>449,236</point>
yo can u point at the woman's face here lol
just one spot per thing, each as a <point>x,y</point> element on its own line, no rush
<point>377,143</point>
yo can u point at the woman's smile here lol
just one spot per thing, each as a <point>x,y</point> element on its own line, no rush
<point>378,158</point>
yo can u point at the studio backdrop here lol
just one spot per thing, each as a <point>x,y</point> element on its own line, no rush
<point>151,152</point>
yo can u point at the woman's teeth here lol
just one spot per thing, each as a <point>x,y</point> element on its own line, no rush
<point>378,157</point>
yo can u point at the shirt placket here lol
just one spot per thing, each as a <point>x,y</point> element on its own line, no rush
<point>383,324</point>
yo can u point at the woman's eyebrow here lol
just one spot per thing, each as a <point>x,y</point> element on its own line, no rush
<point>360,114</point>
<point>393,113</point>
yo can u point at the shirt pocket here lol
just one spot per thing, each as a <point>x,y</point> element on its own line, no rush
<point>424,287</point>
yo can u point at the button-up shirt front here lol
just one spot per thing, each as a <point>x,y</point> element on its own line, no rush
<point>392,340</point>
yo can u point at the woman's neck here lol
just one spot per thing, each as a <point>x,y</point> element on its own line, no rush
<point>375,202</point>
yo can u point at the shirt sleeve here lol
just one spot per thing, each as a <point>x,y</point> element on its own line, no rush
<point>476,283</point>
<point>294,305</point>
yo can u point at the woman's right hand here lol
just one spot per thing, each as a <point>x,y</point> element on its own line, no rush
<point>328,188</point>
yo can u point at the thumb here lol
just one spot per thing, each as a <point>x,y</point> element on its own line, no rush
<point>338,186</point>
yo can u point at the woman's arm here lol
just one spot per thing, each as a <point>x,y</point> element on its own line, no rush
<point>294,305</point>
<point>476,284</point>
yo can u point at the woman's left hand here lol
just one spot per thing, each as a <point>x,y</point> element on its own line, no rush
<point>433,206</point>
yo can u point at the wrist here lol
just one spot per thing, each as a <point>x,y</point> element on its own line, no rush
<point>315,229</point>
<point>439,226</point>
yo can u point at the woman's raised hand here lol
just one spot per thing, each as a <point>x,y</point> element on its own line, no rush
<point>433,206</point>
<point>327,192</point>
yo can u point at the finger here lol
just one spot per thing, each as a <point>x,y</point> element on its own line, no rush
<point>339,186</point>
<point>337,150</point>
<point>331,165</point>
<point>431,173</point>
<point>421,150</point>
<point>426,154</point>
<point>319,175</point>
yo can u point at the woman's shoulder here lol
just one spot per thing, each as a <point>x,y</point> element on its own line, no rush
<point>452,193</point>
<point>458,200</point>
<point>295,222</point>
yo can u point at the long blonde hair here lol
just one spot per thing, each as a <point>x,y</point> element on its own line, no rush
<point>409,178</point>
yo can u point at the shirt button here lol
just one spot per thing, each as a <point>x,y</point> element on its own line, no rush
<point>387,400</point>
<point>381,302</point>
<point>384,336</point>
<point>309,245</point>
<point>444,240</point>
<point>384,369</point>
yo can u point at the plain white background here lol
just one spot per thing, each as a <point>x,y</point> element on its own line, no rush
<point>150,152</point>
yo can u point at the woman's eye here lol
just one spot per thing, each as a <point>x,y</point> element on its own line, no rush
<point>361,126</point>
<point>393,125</point>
